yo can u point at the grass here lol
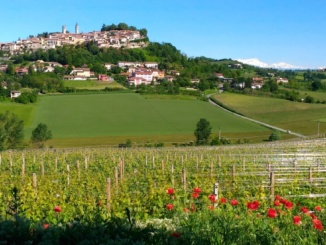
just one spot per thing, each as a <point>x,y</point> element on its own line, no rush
<point>24,112</point>
<point>295,116</point>
<point>114,117</point>
<point>321,96</point>
<point>92,85</point>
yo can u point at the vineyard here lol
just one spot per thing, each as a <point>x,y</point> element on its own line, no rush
<point>57,186</point>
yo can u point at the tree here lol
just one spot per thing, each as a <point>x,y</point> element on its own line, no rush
<point>309,99</point>
<point>11,131</point>
<point>203,131</point>
<point>275,135</point>
<point>40,134</point>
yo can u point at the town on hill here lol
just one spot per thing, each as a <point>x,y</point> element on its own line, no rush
<point>103,39</point>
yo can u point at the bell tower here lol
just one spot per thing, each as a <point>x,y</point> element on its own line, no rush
<point>76,28</point>
<point>64,30</point>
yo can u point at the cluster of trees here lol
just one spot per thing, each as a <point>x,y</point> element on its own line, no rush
<point>27,97</point>
<point>123,26</point>
<point>12,132</point>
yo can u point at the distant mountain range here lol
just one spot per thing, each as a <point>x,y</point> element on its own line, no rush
<point>259,63</point>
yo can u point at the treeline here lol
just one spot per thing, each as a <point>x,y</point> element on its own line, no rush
<point>123,26</point>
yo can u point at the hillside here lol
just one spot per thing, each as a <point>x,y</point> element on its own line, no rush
<point>92,71</point>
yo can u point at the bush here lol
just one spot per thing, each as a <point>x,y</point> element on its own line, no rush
<point>274,136</point>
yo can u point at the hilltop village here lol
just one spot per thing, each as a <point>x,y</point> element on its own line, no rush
<point>103,39</point>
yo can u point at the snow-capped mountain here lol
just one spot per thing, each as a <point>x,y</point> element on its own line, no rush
<point>259,63</point>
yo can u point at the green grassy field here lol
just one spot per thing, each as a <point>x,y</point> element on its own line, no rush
<point>92,85</point>
<point>97,119</point>
<point>321,96</point>
<point>24,112</point>
<point>295,116</point>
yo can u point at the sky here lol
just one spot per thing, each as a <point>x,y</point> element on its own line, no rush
<point>268,31</point>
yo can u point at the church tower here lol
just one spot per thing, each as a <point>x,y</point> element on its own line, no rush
<point>76,28</point>
<point>64,30</point>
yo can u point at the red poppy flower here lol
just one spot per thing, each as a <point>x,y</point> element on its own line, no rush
<point>186,210</point>
<point>170,191</point>
<point>317,224</point>
<point>223,200</point>
<point>313,216</point>
<point>277,203</point>
<point>288,205</point>
<point>211,207</point>
<point>176,234</point>
<point>318,208</point>
<point>192,207</point>
<point>46,226</point>
<point>234,202</point>
<point>57,209</point>
<point>304,210</point>
<point>297,220</point>
<point>212,198</point>
<point>283,201</point>
<point>277,197</point>
<point>169,206</point>
<point>271,213</point>
<point>253,205</point>
<point>197,190</point>
<point>195,195</point>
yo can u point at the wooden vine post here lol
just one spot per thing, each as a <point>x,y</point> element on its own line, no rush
<point>184,179</point>
<point>23,167</point>
<point>272,185</point>
<point>116,177</point>
<point>215,191</point>
<point>108,193</point>
<point>233,172</point>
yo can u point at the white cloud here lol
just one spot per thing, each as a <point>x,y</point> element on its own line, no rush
<point>259,63</point>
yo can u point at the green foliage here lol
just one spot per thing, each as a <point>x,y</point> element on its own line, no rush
<point>11,131</point>
<point>40,134</point>
<point>309,99</point>
<point>120,26</point>
<point>220,141</point>
<point>44,82</point>
<point>202,132</point>
<point>26,98</point>
<point>275,135</point>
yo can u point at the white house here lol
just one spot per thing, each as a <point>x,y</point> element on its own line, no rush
<point>108,66</point>
<point>81,72</point>
<point>14,94</point>
<point>148,76</point>
<point>282,80</point>
<point>150,64</point>
<point>137,81</point>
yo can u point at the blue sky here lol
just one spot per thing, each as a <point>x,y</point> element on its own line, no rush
<point>291,31</point>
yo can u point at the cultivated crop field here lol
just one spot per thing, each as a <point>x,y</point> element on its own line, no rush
<point>295,116</point>
<point>234,192</point>
<point>92,84</point>
<point>112,118</point>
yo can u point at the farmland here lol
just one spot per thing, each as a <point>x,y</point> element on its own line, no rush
<point>172,192</point>
<point>92,85</point>
<point>111,118</point>
<point>295,116</point>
